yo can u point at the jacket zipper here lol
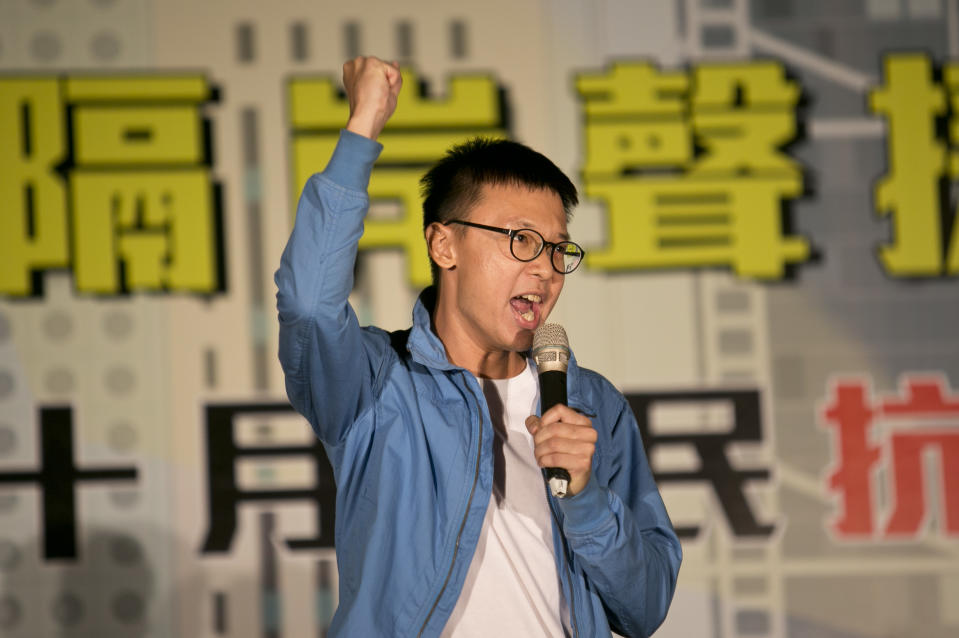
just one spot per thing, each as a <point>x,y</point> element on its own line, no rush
<point>459,534</point>
<point>569,575</point>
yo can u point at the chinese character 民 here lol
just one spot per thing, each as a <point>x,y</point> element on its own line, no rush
<point>711,447</point>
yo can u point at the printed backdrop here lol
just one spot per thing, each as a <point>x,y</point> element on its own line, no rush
<point>769,219</point>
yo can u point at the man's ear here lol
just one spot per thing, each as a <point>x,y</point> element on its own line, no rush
<point>440,244</point>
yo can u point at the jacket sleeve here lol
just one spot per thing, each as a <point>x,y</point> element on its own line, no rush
<point>619,531</point>
<point>328,368</point>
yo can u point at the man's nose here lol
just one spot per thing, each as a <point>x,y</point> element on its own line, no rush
<point>542,266</point>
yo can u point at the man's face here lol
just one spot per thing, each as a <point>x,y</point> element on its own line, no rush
<point>500,300</point>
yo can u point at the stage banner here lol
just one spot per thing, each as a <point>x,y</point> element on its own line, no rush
<point>769,212</point>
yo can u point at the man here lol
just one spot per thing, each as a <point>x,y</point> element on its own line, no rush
<point>443,522</point>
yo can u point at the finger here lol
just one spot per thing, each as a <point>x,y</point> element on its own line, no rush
<point>572,463</point>
<point>395,78</point>
<point>560,430</point>
<point>558,443</point>
<point>565,446</point>
<point>566,414</point>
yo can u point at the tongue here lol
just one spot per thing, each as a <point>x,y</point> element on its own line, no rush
<point>521,305</point>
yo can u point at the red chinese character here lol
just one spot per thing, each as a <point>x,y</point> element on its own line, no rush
<point>852,417</point>
<point>924,421</point>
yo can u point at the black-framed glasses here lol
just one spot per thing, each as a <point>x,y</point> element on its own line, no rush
<point>525,244</point>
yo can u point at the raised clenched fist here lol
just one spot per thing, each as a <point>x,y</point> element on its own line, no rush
<point>372,86</point>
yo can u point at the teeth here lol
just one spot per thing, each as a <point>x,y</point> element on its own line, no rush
<point>528,315</point>
<point>533,298</point>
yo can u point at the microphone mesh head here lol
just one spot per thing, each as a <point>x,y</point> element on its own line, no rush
<point>550,335</point>
<point>550,348</point>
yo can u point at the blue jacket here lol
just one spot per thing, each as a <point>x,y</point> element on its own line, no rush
<point>410,440</point>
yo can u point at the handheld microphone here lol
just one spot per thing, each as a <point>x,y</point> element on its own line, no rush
<point>551,353</point>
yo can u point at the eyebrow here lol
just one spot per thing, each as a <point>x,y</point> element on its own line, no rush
<point>525,223</point>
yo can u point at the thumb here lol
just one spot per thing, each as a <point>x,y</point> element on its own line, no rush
<point>532,423</point>
<point>393,75</point>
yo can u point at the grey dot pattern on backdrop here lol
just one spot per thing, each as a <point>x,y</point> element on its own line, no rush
<point>124,499</point>
<point>7,384</point>
<point>59,381</point>
<point>128,607</point>
<point>8,440</point>
<point>5,328</point>
<point>57,325</point>
<point>105,46</point>
<point>9,612</point>
<point>9,556</point>
<point>67,609</point>
<point>122,437</point>
<point>120,380</point>
<point>125,550</point>
<point>45,46</point>
<point>118,325</point>
<point>8,502</point>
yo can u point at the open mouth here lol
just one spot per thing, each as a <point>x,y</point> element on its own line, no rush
<point>527,306</point>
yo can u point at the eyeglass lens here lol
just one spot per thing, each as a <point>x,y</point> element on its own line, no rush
<point>527,244</point>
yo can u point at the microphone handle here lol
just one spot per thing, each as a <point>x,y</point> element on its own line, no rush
<point>552,391</point>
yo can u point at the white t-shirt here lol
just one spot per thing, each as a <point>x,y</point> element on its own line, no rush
<point>512,588</point>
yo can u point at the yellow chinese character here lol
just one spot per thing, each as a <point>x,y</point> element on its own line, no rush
<point>636,118</point>
<point>33,224</point>
<point>157,223</point>
<point>123,121</point>
<point>671,222</point>
<point>742,115</point>
<point>143,211</point>
<point>909,192</point>
<point>719,208</point>
<point>951,77</point>
<point>418,134</point>
<point>633,89</point>
<point>471,101</point>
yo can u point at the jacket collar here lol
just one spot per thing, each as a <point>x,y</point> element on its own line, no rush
<point>424,346</point>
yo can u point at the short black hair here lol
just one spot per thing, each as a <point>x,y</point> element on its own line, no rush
<point>454,185</point>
